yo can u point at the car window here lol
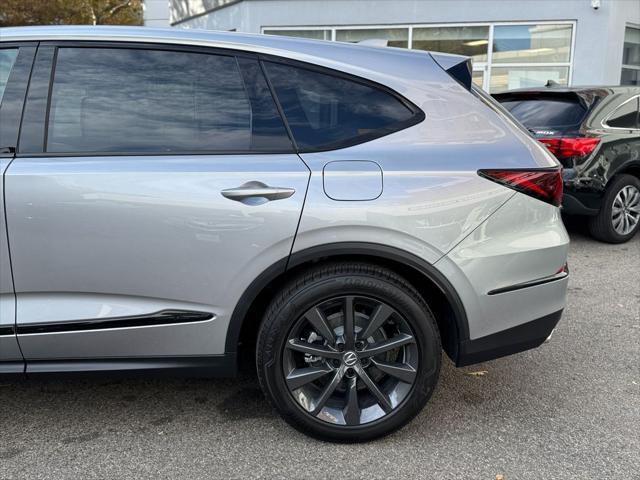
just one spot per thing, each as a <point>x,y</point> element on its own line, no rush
<point>546,113</point>
<point>153,101</point>
<point>326,111</point>
<point>267,128</point>
<point>7,59</point>
<point>625,116</point>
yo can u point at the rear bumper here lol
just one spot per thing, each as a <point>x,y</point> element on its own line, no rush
<point>507,274</point>
<point>513,340</point>
<point>580,203</point>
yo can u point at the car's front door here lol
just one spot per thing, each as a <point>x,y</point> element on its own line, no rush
<point>15,65</point>
<point>162,183</point>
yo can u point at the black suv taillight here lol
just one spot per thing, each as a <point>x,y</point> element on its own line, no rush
<point>545,185</point>
<point>565,148</point>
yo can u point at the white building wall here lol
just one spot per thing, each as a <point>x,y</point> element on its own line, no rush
<point>156,13</point>
<point>231,17</point>
<point>181,9</point>
<point>598,38</point>
<point>623,12</point>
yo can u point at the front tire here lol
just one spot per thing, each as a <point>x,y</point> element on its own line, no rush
<point>619,217</point>
<point>348,352</point>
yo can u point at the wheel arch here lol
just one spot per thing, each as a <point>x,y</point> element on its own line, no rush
<point>630,168</point>
<point>430,283</point>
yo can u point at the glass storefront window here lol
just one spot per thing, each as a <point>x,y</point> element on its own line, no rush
<point>504,55</point>
<point>631,49</point>
<point>543,43</point>
<point>313,34</point>
<point>631,57</point>
<point>396,37</point>
<point>630,77</point>
<point>477,77</point>
<point>469,41</point>
<point>508,78</point>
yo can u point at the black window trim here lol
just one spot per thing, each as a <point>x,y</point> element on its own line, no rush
<point>417,114</point>
<point>18,81</point>
<point>44,115</point>
<point>47,113</point>
<point>278,105</point>
<point>34,110</point>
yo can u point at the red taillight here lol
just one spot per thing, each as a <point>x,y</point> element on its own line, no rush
<point>570,147</point>
<point>545,185</point>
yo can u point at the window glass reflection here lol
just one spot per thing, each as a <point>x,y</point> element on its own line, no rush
<point>531,43</point>
<point>7,59</point>
<point>508,78</point>
<point>469,41</point>
<point>630,77</point>
<point>138,100</point>
<point>631,49</point>
<point>396,37</point>
<point>478,78</point>
<point>314,34</point>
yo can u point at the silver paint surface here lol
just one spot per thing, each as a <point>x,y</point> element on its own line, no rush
<point>94,235</point>
<point>98,236</point>
<point>524,240</point>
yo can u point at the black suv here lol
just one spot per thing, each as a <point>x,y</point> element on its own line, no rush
<point>595,133</point>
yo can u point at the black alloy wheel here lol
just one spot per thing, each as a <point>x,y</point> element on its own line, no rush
<point>618,220</point>
<point>349,352</point>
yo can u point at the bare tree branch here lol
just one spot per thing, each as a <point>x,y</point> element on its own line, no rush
<point>92,13</point>
<point>110,11</point>
<point>119,7</point>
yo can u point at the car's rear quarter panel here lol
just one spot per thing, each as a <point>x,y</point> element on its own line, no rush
<point>525,240</point>
<point>434,203</point>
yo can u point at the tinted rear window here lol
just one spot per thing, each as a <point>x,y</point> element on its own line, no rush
<point>326,111</point>
<point>546,113</point>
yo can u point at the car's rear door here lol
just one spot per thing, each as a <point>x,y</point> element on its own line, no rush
<point>15,66</point>
<point>152,184</point>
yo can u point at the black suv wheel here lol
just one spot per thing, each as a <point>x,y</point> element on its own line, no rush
<point>619,217</point>
<point>348,352</point>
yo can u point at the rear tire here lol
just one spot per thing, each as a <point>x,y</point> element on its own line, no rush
<point>351,393</point>
<point>621,203</point>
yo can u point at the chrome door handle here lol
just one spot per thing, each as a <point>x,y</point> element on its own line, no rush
<point>257,193</point>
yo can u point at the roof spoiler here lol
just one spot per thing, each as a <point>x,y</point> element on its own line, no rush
<point>457,66</point>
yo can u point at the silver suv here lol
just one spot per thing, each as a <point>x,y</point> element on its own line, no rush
<point>172,199</point>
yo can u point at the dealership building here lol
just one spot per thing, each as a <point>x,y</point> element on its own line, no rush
<point>513,44</point>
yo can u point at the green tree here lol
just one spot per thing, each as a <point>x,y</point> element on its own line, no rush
<point>70,12</point>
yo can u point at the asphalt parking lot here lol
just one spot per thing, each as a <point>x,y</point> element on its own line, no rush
<point>568,410</point>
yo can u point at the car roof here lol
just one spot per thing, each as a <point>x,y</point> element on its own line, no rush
<point>167,35</point>
<point>352,57</point>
